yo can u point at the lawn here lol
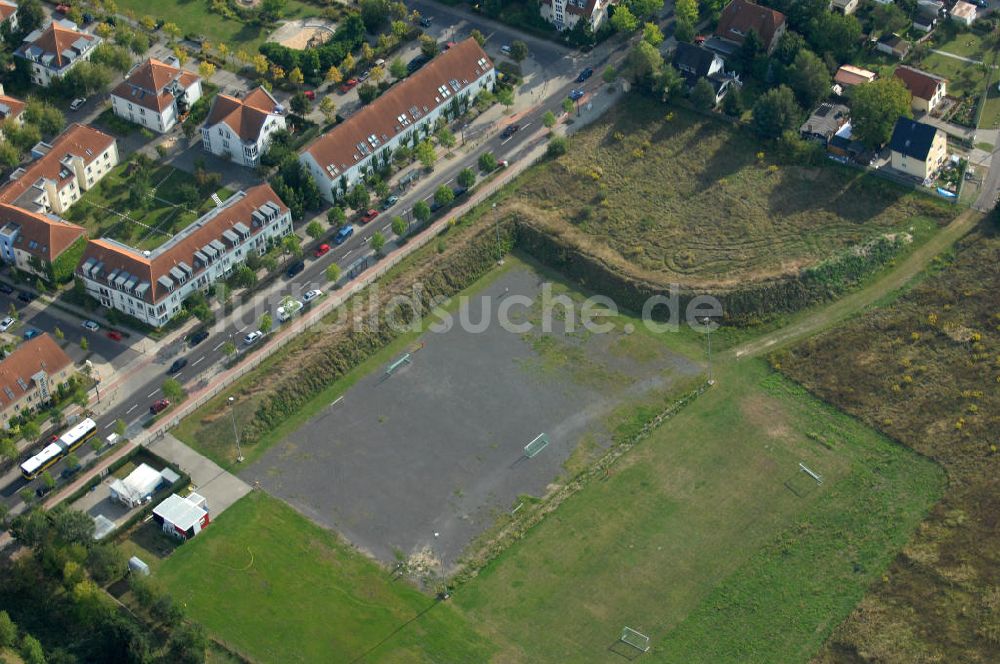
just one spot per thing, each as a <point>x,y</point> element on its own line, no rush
<point>964,78</point>
<point>709,539</point>
<point>194,18</point>
<point>272,585</point>
<point>687,198</point>
<point>966,44</point>
<point>106,211</point>
<point>991,113</point>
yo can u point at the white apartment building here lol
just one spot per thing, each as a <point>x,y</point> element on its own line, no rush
<point>156,94</point>
<point>565,14</point>
<point>240,130</point>
<point>75,161</point>
<point>152,285</point>
<point>55,49</point>
<point>403,115</point>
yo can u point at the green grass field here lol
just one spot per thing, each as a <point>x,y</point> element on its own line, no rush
<point>276,587</point>
<point>685,197</point>
<point>151,225</point>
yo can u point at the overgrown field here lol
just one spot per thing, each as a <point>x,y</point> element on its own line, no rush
<point>925,370</point>
<point>278,588</point>
<point>686,198</point>
<point>708,538</point>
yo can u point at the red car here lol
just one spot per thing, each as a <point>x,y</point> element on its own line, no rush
<point>310,95</point>
<point>63,8</point>
<point>159,406</point>
<point>348,84</point>
<point>368,216</point>
<point>322,249</point>
<point>115,335</point>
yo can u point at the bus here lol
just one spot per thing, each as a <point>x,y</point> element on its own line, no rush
<point>60,447</point>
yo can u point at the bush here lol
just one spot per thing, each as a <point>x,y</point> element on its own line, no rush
<point>557,146</point>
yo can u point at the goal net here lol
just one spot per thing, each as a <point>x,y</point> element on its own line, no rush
<point>635,639</point>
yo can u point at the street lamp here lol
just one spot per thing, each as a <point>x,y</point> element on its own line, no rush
<point>496,223</point>
<point>236,435</point>
<point>705,320</point>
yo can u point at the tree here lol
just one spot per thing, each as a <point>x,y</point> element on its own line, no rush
<point>367,93</point>
<point>328,108</point>
<point>229,349</point>
<point>296,77</point>
<point>809,78</point>
<point>518,50</point>
<point>644,62</point>
<point>686,11</point>
<point>426,154</point>
<point>291,244</point>
<point>446,137</point>
<point>187,644</point>
<point>377,73</point>
<point>375,14</point>
<point>876,107</point>
<point>173,390</point>
<point>120,427</point>
<point>84,344</point>
<point>775,111</point>
<point>182,55</point>
<point>889,18</point>
<point>623,20</point>
<point>652,34</point>
<point>478,36</point>
<point>487,162</point>
<point>314,229</point>
<point>105,562</point>
<point>832,32</point>
<point>557,146</point>
<point>378,242</point>
<point>333,75</point>
<point>428,46</point>
<point>348,64</point>
<point>59,334</point>
<point>398,226</point>
<point>300,104</point>
<point>72,461</point>
<point>703,94</point>
<point>444,195</point>
<point>8,631</point>
<point>333,273</point>
<point>266,323</point>
<point>30,16</point>
<point>732,104</point>
<point>260,63</point>
<point>336,216</point>
<point>421,211</point>
<point>549,119</point>
<point>466,178</point>
<point>397,68</point>
<point>31,650</point>
<point>31,528</point>
<point>610,73</point>
<point>684,32</point>
<point>788,47</point>
<point>358,197</point>
<point>172,30</point>
<point>206,69</point>
<point>49,119</point>
<point>72,526</point>
<point>568,105</point>
<point>645,9</point>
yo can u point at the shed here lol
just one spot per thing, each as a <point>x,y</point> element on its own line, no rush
<point>103,526</point>
<point>137,566</point>
<point>138,487</point>
<point>182,517</point>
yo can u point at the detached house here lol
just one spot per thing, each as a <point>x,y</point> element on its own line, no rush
<point>404,115</point>
<point>893,45</point>
<point>30,375</point>
<point>696,62</point>
<point>56,49</point>
<point>825,122</point>
<point>565,14</point>
<point>918,149</point>
<point>844,7</point>
<point>32,242</point>
<point>240,129</point>
<point>156,94</point>
<point>152,285</point>
<point>928,90</point>
<point>964,13</point>
<point>741,17</point>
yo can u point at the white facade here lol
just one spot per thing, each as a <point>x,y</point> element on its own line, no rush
<point>47,64</point>
<point>223,141</point>
<point>160,121</point>
<point>565,14</point>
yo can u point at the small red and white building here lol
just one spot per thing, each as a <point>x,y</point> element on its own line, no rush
<point>182,516</point>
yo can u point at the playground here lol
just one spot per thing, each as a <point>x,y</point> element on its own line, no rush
<point>419,456</point>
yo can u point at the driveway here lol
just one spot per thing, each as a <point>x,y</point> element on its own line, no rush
<point>220,488</point>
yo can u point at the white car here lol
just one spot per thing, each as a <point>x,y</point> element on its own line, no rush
<point>253,337</point>
<point>505,49</point>
<point>91,325</point>
<point>6,323</point>
<point>288,309</point>
<point>77,103</point>
<point>309,296</point>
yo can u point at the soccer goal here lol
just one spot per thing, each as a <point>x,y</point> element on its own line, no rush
<point>540,442</point>
<point>635,639</point>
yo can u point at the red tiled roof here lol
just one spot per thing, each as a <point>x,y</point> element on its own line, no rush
<point>741,16</point>
<point>851,75</point>
<point>144,86</point>
<point>150,268</point>
<point>39,235</point>
<point>78,140</point>
<point>16,106</point>
<point>56,39</point>
<point>920,84</point>
<point>39,354</point>
<point>7,9</point>
<point>460,63</point>
<point>244,116</point>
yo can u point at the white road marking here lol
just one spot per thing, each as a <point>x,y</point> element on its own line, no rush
<point>348,253</point>
<point>221,344</point>
<point>110,424</point>
<point>337,400</point>
<point>177,376</point>
<point>243,328</point>
<point>134,406</point>
<point>198,360</point>
<point>386,227</point>
<point>152,393</point>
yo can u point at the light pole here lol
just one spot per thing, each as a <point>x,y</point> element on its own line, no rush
<point>496,223</point>
<point>236,435</point>
<point>705,320</point>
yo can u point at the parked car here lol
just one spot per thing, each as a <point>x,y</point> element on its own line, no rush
<point>31,333</point>
<point>584,75</point>
<point>389,202</point>
<point>363,76</point>
<point>288,308</point>
<point>6,323</point>
<point>42,491</point>
<point>63,8</point>
<point>509,131</point>
<point>197,338</point>
<point>67,473</point>
<point>369,216</point>
<point>91,325</point>
<point>77,103</point>
<point>505,49</point>
<point>5,289</point>
<point>425,22</point>
<point>253,337</point>
<point>25,296</point>
<point>348,85</point>
<point>575,94</point>
<point>460,191</point>
<point>159,406</point>
<point>322,250</point>
<point>342,235</point>
<point>380,62</point>
<point>114,335</point>
<point>447,46</point>
<point>416,63</point>
<point>310,95</point>
<point>311,295</point>
<point>178,364</point>
<point>503,163</point>
<point>295,268</point>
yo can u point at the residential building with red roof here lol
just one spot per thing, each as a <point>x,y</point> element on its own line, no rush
<point>928,90</point>
<point>848,76</point>
<point>156,94</point>
<point>8,14</point>
<point>565,14</point>
<point>55,49</point>
<point>152,285</point>
<point>403,115</point>
<point>741,17</point>
<point>75,161</point>
<point>240,129</point>
<point>32,241</point>
<point>30,375</point>
<point>11,109</point>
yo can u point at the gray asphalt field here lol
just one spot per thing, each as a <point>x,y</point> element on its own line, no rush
<point>421,461</point>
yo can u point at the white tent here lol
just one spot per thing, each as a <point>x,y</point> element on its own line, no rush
<point>137,487</point>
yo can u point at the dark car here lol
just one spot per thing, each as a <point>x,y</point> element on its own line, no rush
<point>5,289</point>
<point>460,191</point>
<point>42,491</point>
<point>416,63</point>
<point>198,337</point>
<point>295,268</point>
<point>576,94</point>
<point>25,296</point>
<point>509,131</point>
<point>69,472</point>
<point>584,75</point>
<point>178,364</point>
<point>159,406</point>
<point>31,333</point>
<point>426,21</point>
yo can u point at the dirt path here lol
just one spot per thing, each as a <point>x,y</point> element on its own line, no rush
<point>845,307</point>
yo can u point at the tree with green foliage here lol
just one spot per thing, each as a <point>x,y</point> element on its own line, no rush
<point>314,229</point>
<point>120,427</point>
<point>652,34</point>
<point>8,631</point>
<point>623,20</point>
<point>549,119</point>
<point>113,57</point>
<point>444,195</point>
<point>72,526</point>
<point>703,94</point>
<point>398,226</point>
<point>173,390</point>
<point>809,78</point>
<point>568,105</point>
<point>421,211</point>
<point>300,104</point>
<point>506,97</point>
<point>428,46</point>
<point>834,33</point>
<point>645,9</point>
<point>375,14</point>
<point>358,197</point>
<point>84,344</point>
<point>466,178</point>
<point>367,93</point>
<point>732,103</point>
<point>291,244</point>
<point>775,111</point>
<point>426,154</point>
<point>49,119</point>
<point>333,273</point>
<point>229,349</point>
<point>518,50</point>
<point>478,36</point>
<point>609,74</point>
<point>684,32</point>
<point>487,162</point>
<point>445,137</point>
<point>30,16</point>
<point>644,63</point>
<point>875,108</point>
<point>557,146</point>
<point>686,11</point>
<point>31,650</point>
<point>398,68</point>
<point>378,242</point>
